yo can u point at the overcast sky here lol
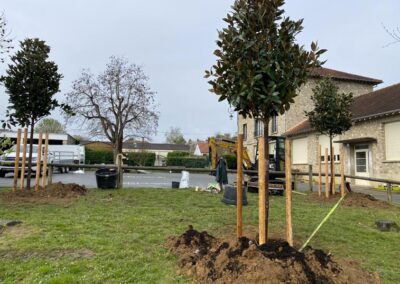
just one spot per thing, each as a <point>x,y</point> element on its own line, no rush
<point>174,41</point>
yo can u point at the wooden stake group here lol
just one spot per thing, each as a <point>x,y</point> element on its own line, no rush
<point>342,176</point>
<point>23,163</point>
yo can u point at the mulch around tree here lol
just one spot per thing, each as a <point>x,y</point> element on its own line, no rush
<point>355,199</point>
<point>210,260</point>
<point>57,192</point>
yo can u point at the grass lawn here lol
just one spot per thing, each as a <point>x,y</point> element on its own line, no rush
<point>97,240</point>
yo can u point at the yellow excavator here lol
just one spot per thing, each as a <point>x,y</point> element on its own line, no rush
<point>219,147</point>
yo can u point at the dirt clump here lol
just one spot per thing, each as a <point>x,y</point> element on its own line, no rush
<point>355,199</point>
<point>52,193</point>
<point>210,260</point>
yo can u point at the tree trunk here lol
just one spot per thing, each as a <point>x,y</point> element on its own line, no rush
<point>266,148</point>
<point>332,162</point>
<point>118,159</point>
<point>28,179</point>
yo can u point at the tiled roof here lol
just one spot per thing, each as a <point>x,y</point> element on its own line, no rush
<point>203,146</point>
<point>339,75</point>
<point>382,102</point>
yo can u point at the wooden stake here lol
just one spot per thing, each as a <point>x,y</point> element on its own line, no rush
<point>319,171</point>
<point>326,174</point>
<point>288,178</point>
<point>239,187</point>
<point>46,148</point>
<point>16,163</point>
<point>38,162</point>
<point>333,172</point>
<point>261,192</point>
<point>342,179</point>
<point>24,159</point>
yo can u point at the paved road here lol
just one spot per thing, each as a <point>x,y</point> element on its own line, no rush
<point>131,180</point>
<point>164,180</point>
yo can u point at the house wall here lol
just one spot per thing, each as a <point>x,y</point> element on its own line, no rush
<point>296,114</point>
<point>379,166</point>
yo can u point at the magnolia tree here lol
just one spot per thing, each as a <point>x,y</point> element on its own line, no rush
<point>116,104</point>
<point>259,63</point>
<point>31,82</point>
<point>331,114</point>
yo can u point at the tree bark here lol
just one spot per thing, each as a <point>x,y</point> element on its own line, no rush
<point>332,162</point>
<point>28,179</point>
<point>266,149</point>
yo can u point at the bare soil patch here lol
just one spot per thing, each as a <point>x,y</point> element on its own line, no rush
<point>355,199</point>
<point>211,260</point>
<point>55,193</point>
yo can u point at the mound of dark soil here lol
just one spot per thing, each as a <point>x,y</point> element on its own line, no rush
<point>210,260</point>
<point>356,199</point>
<point>52,192</point>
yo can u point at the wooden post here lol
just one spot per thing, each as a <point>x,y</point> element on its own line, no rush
<point>239,187</point>
<point>24,159</point>
<point>46,150</point>
<point>261,191</point>
<point>333,173</point>
<point>120,183</point>
<point>389,192</point>
<point>310,177</point>
<point>342,178</point>
<point>319,171</point>
<point>38,162</point>
<point>288,179</point>
<point>16,163</point>
<point>50,179</point>
<point>326,174</point>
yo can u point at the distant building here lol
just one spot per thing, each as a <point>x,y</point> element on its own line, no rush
<point>54,139</point>
<point>160,149</point>
<point>201,149</point>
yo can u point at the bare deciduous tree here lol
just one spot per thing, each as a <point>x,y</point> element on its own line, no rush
<point>116,104</point>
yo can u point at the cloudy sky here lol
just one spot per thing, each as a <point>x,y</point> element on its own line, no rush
<point>174,40</point>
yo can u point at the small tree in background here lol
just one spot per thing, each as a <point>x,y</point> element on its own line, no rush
<point>5,40</point>
<point>175,136</point>
<point>331,115</point>
<point>50,125</point>
<point>31,82</point>
<point>259,64</point>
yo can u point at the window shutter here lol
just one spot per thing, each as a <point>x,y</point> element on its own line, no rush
<point>300,151</point>
<point>392,141</point>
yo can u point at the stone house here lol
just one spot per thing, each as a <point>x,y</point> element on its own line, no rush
<point>253,128</point>
<point>371,146</point>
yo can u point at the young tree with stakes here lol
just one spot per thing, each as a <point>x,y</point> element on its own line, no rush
<point>260,65</point>
<point>116,104</point>
<point>331,114</point>
<point>31,82</point>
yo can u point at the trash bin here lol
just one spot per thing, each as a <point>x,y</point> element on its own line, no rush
<point>106,178</point>
<point>230,195</point>
<point>175,184</point>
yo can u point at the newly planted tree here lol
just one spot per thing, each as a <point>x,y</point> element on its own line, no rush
<point>31,82</point>
<point>259,63</point>
<point>5,39</point>
<point>116,104</point>
<point>331,114</point>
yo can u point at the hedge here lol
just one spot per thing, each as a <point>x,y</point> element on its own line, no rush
<point>187,162</point>
<point>140,159</point>
<point>177,154</point>
<point>98,157</point>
